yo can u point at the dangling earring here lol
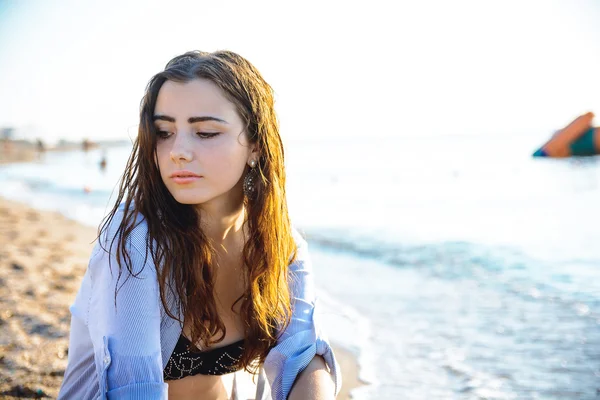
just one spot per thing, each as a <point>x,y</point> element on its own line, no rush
<point>250,181</point>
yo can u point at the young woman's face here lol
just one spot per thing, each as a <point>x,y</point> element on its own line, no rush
<point>202,148</point>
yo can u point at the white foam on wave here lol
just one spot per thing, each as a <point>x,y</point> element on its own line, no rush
<point>349,329</point>
<point>15,190</point>
<point>78,209</point>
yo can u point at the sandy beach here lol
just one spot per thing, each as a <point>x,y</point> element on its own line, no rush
<point>42,260</point>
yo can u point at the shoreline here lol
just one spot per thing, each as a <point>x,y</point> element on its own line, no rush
<point>42,261</point>
<point>20,151</point>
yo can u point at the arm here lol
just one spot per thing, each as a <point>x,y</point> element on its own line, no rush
<point>126,338</point>
<point>302,341</point>
<point>314,382</point>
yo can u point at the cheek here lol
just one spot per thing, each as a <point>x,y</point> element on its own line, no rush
<point>224,168</point>
<point>161,151</point>
<point>222,157</point>
<point>161,158</point>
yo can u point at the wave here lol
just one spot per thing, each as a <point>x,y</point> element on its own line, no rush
<point>503,268</point>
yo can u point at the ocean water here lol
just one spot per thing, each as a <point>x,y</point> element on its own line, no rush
<point>454,267</point>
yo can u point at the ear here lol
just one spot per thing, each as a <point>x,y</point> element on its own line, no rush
<point>254,152</point>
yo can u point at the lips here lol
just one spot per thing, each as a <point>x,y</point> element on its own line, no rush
<point>185,174</point>
<point>185,177</point>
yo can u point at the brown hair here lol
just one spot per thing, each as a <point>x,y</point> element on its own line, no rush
<point>180,250</point>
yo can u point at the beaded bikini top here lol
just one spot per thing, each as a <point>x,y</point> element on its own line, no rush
<point>186,362</point>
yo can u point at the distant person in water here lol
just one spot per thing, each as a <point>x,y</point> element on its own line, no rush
<point>579,138</point>
<point>40,147</point>
<point>103,161</point>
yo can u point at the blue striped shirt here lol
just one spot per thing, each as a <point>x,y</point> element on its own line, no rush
<point>120,353</point>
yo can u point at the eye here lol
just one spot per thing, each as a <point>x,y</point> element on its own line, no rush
<point>163,134</point>
<point>207,135</point>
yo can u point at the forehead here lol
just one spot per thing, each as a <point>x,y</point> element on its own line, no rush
<point>194,98</point>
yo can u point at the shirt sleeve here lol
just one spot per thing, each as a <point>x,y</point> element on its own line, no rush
<point>125,331</point>
<point>302,339</point>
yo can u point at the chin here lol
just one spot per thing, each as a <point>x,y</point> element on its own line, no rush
<point>188,201</point>
<point>190,197</point>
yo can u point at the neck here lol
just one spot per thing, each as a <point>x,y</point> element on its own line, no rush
<point>222,225</point>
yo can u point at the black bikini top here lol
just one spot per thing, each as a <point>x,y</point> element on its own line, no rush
<point>185,362</point>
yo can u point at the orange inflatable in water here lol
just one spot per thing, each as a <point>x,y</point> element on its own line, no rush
<point>579,138</point>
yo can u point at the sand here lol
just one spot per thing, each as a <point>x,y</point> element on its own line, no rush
<point>17,151</point>
<point>43,257</point>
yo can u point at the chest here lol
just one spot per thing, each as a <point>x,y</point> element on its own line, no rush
<point>229,286</point>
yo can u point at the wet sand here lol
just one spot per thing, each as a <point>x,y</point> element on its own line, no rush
<point>43,257</point>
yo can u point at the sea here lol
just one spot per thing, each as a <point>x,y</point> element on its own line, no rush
<point>452,266</point>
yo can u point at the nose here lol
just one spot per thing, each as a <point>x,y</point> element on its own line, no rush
<point>181,150</point>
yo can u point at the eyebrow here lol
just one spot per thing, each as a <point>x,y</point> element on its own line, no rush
<point>191,120</point>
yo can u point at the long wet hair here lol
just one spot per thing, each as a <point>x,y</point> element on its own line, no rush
<point>182,253</point>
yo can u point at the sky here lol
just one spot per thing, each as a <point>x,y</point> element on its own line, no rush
<point>340,69</point>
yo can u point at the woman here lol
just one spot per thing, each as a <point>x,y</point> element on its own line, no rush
<point>198,274</point>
